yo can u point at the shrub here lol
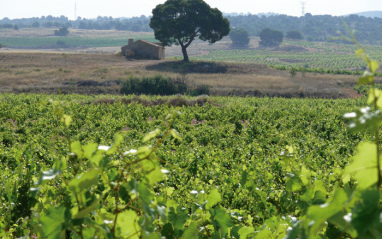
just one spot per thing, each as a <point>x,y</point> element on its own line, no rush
<point>157,85</point>
<point>63,31</point>
<point>60,43</point>
<point>293,71</point>
<point>200,90</point>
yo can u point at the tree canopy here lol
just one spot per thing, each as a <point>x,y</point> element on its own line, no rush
<point>294,35</point>
<point>270,37</point>
<point>181,21</point>
<point>239,37</point>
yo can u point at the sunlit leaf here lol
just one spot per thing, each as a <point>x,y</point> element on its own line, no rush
<point>317,215</point>
<point>373,66</point>
<point>84,180</point>
<point>89,150</point>
<point>366,78</point>
<point>154,176</point>
<point>67,120</point>
<point>191,232</point>
<point>364,165</point>
<point>213,198</point>
<point>127,224</point>
<point>175,134</point>
<point>375,95</point>
<point>77,149</point>
<point>244,231</point>
<point>151,135</point>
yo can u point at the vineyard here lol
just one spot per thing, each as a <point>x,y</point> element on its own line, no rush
<point>28,38</point>
<point>108,166</point>
<point>54,42</point>
<point>231,172</point>
<point>316,56</point>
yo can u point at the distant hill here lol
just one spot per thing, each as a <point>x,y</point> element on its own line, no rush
<point>370,14</point>
<point>235,14</point>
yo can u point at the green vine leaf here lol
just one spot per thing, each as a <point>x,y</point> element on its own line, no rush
<point>84,180</point>
<point>373,66</point>
<point>175,134</point>
<point>220,220</point>
<point>192,232</point>
<point>67,120</point>
<point>177,218</point>
<point>129,218</point>
<point>245,231</point>
<point>213,198</point>
<point>151,135</point>
<point>366,78</point>
<point>364,165</point>
<point>318,214</point>
<point>375,95</point>
<point>53,222</point>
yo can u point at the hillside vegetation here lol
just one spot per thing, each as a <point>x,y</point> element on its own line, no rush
<point>313,27</point>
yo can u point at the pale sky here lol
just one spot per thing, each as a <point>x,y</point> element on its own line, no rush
<point>129,8</point>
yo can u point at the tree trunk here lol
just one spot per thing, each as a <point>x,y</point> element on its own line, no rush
<point>185,55</point>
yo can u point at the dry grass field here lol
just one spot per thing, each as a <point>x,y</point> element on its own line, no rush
<point>98,70</point>
<point>94,73</point>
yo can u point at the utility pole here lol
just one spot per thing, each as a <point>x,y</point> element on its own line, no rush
<point>75,11</point>
<point>303,8</point>
<point>302,14</point>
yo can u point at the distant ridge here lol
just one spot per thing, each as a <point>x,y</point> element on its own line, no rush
<point>235,14</point>
<point>370,14</point>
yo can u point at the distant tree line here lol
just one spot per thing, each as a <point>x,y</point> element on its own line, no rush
<point>137,24</point>
<point>313,28</point>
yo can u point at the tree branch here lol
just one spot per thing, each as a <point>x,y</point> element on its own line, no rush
<point>191,38</point>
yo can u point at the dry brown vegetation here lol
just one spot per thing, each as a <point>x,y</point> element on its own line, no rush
<point>86,71</point>
<point>102,74</point>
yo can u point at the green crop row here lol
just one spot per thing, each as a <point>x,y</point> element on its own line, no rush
<point>48,42</point>
<point>325,56</point>
<point>227,177</point>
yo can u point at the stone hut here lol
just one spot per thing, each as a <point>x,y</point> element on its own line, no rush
<point>143,49</point>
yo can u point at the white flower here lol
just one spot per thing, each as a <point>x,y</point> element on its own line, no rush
<point>347,217</point>
<point>104,147</point>
<point>350,115</point>
<point>164,171</point>
<point>194,192</point>
<point>130,152</point>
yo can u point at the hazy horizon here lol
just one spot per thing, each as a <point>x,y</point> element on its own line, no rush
<point>123,8</point>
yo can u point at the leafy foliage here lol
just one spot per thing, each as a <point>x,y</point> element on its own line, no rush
<point>239,37</point>
<point>294,35</point>
<point>270,37</point>
<point>63,31</point>
<point>157,85</point>
<point>180,22</point>
<point>250,168</point>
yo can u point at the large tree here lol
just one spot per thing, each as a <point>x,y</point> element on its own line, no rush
<point>181,21</point>
<point>270,37</point>
<point>239,37</point>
